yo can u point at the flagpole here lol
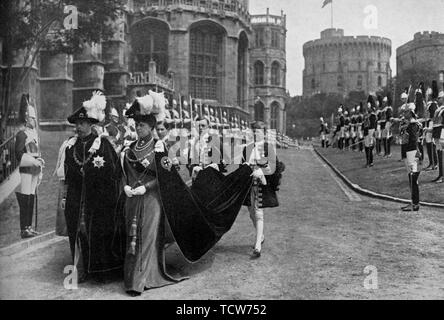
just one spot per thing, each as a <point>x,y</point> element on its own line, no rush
<point>332,14</point>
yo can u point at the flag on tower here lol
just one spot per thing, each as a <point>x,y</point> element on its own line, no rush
<point>326,2</point>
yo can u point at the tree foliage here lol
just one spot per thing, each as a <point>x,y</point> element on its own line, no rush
<point>303,113</point>
<point>29,26</point>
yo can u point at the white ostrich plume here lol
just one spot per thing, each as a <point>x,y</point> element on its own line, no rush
<point>95,107</point>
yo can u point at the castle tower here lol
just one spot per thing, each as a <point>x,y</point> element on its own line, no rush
<point>425,53</point>
<point>340,64</point>
<point>268,70</point>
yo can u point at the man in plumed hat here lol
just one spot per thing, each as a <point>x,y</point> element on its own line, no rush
<point>92,191</point>
<point>27,151</point>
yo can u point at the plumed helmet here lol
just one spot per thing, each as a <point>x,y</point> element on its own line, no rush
<point>26,110</point>
<point>411,107</point>
<point>371,102</point>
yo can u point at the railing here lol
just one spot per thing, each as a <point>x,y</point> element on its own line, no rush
<point>212,6</point>
<point>145,78</point>
<point>8,160</point>
<point>269,19</point>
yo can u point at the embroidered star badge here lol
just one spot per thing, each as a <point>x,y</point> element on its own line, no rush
<point>98,162</point>
<point>145,163</point>
<point>166,163</point>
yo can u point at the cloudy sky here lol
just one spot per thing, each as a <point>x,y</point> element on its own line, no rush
<point>398,20</point>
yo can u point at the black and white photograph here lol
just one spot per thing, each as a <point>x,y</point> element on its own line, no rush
<point>221,150</point>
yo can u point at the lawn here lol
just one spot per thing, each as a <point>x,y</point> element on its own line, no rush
<point>388,176</point>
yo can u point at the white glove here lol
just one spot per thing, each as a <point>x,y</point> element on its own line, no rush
<point>259,175</point>
<point>42,162</point>
<point>196,170</point>
<point>128,191</point>
<point>139,191</point>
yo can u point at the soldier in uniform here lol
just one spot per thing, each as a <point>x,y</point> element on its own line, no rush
<point>27,152</point>
<point>387,124</point>
<point>432,105</point>
<point>379,125</point>
<point>341,141</point>
<point>353,128</point>
<point>420,96</point>
<point>409,132</point>
<point>114,130</point>
<point>369,128</point>
<point>203,151</point>
<point>323,132</point>
<point>359,122</point>
<point>347,129</point>
<point>438,136</point>
<point>186,116</point>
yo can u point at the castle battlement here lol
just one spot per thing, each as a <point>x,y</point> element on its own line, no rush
<point>231,8</point>
<point>348,41</point>
<point>422,40</point>
<point>429,35</point>
<point>269,19</point>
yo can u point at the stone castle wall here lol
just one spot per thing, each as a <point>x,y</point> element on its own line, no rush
<point>359,60</point>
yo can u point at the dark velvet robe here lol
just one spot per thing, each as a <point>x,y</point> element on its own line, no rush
<point>144,225</point>
<point>90,205</point>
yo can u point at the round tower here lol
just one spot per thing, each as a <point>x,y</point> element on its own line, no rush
<point>340,64</point>
<point>425,52</point>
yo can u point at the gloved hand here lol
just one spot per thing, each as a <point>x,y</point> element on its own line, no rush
<point>128,191</point>
<point>42,162</point>
<point>195,172</point>
<point>139,191</point>
<point>259,175</point>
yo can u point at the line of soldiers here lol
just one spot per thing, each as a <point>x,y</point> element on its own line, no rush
<point>420,123</point>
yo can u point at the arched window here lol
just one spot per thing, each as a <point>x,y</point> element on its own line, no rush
<point>379,66</point>
<point>275,39</point>
<point>150,42</point>
<point>323,67</point>
<point>242,82</point>
<point>313,84</point>
<point>274,120</point>
<point>258,73</point>
<point>359,83</point>
<point>275,74</point>
<point>259,111</point>
<point>379,81</point>
<point>359,65</point>
<point>340,81</point>
<point>259,38</point>
<point>205,61</point>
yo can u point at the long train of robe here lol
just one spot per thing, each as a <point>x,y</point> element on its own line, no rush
<point>199,216</point>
